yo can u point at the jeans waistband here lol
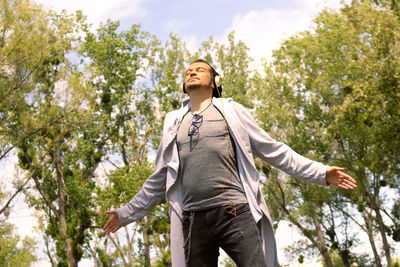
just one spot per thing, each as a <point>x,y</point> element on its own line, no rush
<point>240,207</point>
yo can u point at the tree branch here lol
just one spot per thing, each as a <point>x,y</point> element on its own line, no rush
<point>38,185</point>
<point>118,247</point>
<point>16,193</point>
<point>6,152</point>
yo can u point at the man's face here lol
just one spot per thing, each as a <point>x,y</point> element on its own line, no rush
<point>198,76</point>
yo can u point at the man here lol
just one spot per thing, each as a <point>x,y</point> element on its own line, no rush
<point>205,168</point>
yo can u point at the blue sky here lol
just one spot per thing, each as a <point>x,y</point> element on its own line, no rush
<point>261,24</point>
<point>199,18</point>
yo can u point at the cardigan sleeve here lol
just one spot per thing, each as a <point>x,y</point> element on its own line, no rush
<point>279,154</point>
<point>153,189</point>
<point>151,193</point>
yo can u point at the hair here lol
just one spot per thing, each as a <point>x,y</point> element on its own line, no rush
<point>214,73</point>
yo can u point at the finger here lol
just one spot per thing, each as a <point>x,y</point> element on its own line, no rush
<point>108,225</point>
<point>347,185</point>
<point>113,229</point>
<point>349,180</point>
<point>107,228</point>
<point>116,228</point>
<point>342,186</point>
<point>351,184</point>
<point>110,230</point>
<point>338,168</point>
<point>106,231</point>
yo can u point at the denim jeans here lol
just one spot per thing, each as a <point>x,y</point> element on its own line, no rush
<point>207,231</point>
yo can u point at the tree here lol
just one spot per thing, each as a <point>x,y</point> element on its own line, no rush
<point>34,44</point>
<point>70,119</point>
<point>15,251</point>
<point>333,96</point>
<point>154,228</point>
<point>138,135</point>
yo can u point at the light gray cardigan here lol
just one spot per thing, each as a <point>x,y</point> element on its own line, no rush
<point>250,140</point>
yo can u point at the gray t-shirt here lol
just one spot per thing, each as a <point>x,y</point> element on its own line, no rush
<point>203,163</point>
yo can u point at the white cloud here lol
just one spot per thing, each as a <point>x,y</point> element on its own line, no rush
<point>318,4</point>
<point>100,10</point>
<point>174,25</point>
<point>264,30</point>
<point>192,42</point>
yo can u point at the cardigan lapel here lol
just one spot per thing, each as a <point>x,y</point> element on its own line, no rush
<point>172,122</point>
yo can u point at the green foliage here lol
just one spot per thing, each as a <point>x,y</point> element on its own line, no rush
<point>395,262</point>
<point>67,131</point>
<point>228,262</point>
<point>360,261</point>
<point>15,251</point>
<point>332,94</point>
<point>232,63</point>
<point>125,182</point>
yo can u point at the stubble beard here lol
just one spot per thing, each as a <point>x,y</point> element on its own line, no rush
<point>197,86</point>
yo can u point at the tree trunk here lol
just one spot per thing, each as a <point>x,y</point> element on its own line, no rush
<point>70,253</point>
<point>344,255</point>
<point>130,245</point>
<point>321,242</point>
<point>62,214</point>
<point>386,246</point>
<point>368,224</point>
<point>376,207</point>
<point>373,201</point>
<point>119,249</point>
<point>68,241</point>
<point>374,204</point>
<point>146,244</point>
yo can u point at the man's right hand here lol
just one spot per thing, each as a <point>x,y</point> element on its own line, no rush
<point>113,224</point>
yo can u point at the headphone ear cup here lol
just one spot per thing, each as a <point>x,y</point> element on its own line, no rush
<point>217,81</point>
<point>183,88</point>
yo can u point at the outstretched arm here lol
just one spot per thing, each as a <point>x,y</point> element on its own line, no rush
<point>277,153</point>
<point>151,193</point>
<point>335,176</point>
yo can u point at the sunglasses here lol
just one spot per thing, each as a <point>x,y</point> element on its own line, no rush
<point>196,123</point>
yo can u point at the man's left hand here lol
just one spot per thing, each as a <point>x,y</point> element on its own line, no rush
<point>335,176</point>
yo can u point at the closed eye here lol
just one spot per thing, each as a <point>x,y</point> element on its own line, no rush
<point>198,69</point>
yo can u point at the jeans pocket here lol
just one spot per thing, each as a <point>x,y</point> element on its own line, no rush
<point>242,208</point>
<point>244,221</point>
<point>187,225</point>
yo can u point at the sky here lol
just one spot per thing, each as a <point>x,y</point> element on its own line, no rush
<point>260,24</point>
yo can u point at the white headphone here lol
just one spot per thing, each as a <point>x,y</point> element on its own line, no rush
<point>217,80</point>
